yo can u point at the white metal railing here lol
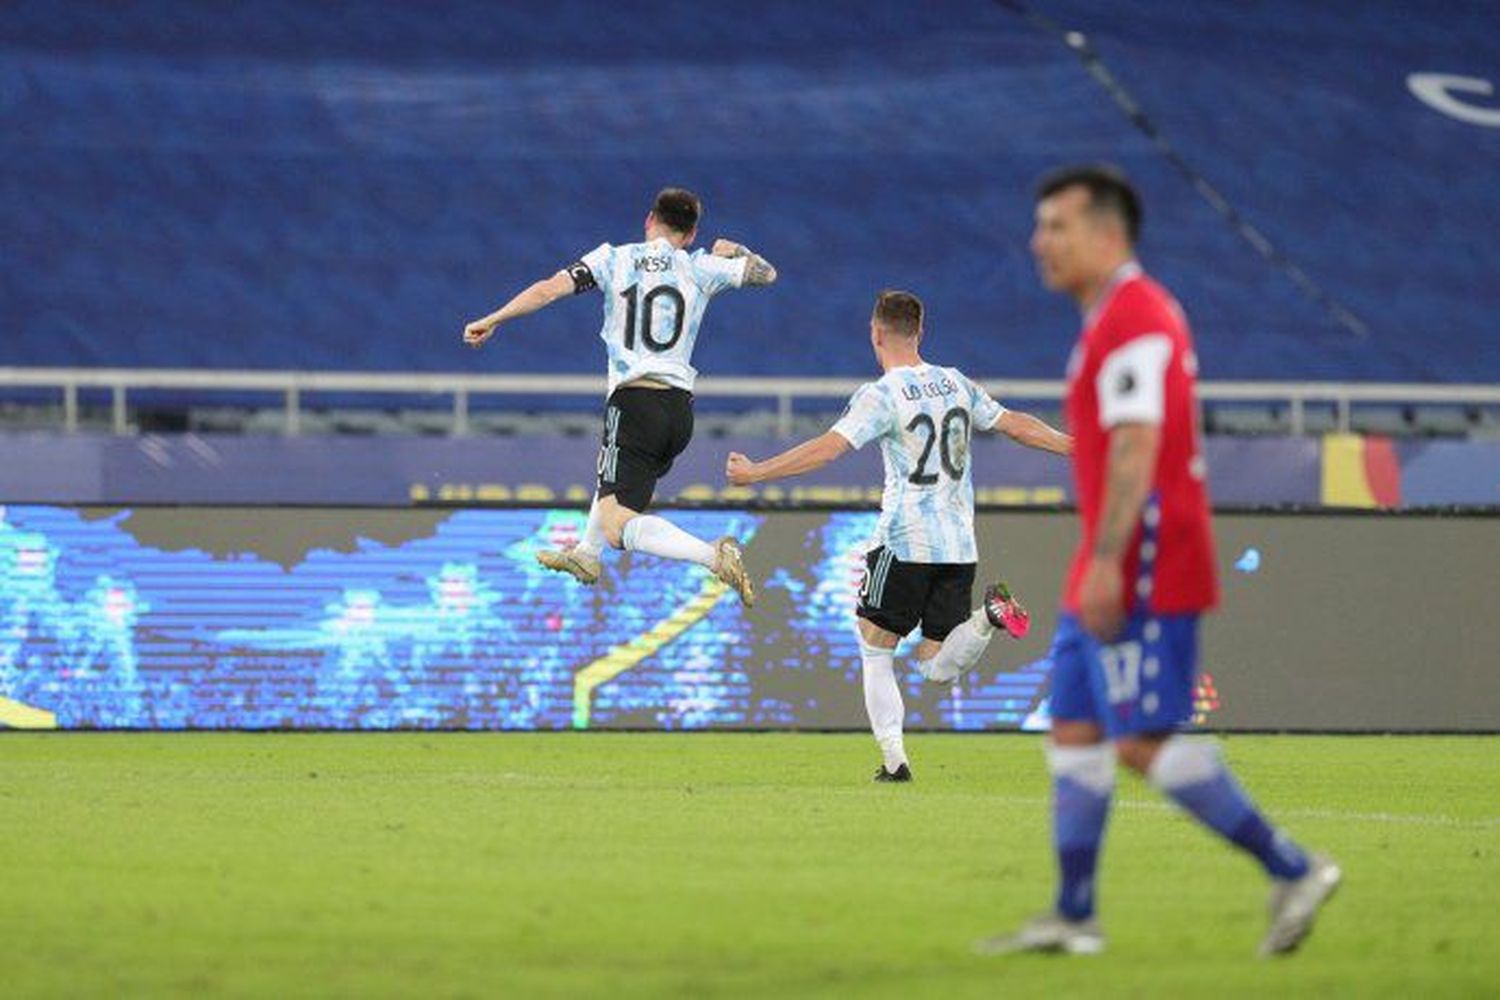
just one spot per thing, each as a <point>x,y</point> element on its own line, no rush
<point>293,385</point>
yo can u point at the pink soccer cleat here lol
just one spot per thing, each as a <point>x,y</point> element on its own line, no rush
<point>1005,612</point>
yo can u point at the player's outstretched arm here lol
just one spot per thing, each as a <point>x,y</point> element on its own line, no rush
<point>758,272</point>
<point>805,457</point>
<point>1023,428</point>
<point>539,295</point>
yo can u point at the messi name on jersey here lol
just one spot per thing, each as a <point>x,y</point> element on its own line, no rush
<point>654,264</point>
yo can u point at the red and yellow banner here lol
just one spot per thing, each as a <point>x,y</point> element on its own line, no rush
<point>1360,471</point>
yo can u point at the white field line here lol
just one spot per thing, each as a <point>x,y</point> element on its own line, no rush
<point>1039,802</point>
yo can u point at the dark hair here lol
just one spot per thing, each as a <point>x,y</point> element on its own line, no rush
<point>899,312</point>
<point>1109,191</point>
<point>678,209</point>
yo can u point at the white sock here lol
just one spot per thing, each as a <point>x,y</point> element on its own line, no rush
<point>659,537</point>
<point>961,650</point>
<point>883,702</point>
<point>592,541</point>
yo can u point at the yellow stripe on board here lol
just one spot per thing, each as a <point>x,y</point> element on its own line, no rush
<point>1345,483</point>
<point>621,658</point>
<point>15,715</point>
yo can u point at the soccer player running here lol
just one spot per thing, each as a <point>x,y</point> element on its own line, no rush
<point>655,293</point>
<point>1125,653</point>
<point>920,567</point>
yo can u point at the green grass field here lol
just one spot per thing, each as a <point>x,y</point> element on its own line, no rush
<point>705,865</point>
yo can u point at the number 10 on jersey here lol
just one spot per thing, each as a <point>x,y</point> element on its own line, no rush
<point>643,307</point>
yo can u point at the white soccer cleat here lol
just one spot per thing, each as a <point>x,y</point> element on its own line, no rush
<point>1050,933</point>
<point>580,565</point>
<point>1295,904</point>
<point>729,567</point>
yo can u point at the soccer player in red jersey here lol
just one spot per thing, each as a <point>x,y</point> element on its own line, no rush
<point>1125,654</point>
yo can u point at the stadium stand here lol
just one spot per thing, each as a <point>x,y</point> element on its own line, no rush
<point>285,185</point>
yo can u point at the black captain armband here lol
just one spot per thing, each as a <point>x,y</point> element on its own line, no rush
<point>583,278</point>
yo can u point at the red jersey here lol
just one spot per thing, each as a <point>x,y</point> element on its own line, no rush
<point>1134,363</point>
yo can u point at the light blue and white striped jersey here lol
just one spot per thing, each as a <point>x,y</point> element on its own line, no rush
<point>923,416</point>
<point>654,297</point>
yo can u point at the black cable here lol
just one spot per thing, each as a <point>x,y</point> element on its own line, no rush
<point>1094,63</point>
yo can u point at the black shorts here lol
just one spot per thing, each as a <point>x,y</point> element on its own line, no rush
<point>644,430</point>
<point>897,595</point>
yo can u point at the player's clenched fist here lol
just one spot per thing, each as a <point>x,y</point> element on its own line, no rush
<point>739,470</point>
<point>1101,599</point>
<point>478,332</point>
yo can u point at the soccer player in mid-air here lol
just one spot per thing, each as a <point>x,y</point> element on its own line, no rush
<point>655,293</point>
<point>921,562</point>
<point>1125,653</point>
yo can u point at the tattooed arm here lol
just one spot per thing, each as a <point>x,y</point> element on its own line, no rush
<point>758,272</point>
<point>1133,448</point>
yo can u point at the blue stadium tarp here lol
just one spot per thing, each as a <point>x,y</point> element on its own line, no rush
<point>290,185</point>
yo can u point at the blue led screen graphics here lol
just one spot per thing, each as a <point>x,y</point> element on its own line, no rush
<point>360,618</point>
<point>263,617</point>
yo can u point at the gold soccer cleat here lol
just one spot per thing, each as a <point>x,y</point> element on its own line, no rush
<point>729,567</point>
<point>580,565</point>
